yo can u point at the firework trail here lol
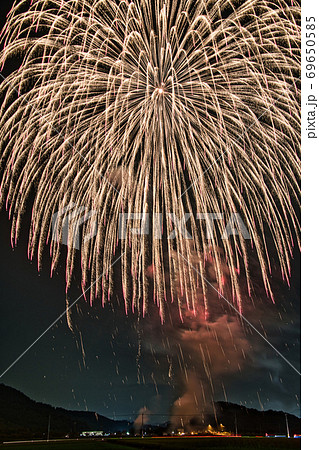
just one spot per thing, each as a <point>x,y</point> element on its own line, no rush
<point>160,106</point>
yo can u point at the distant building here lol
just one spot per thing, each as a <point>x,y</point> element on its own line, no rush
<point>92,434</point>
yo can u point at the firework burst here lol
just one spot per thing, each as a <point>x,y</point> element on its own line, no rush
<point>154,107</point>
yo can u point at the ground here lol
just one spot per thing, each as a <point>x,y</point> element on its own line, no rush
<point>204,443</point>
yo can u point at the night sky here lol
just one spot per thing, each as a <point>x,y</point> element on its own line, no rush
<point>116,364</point>
<point>109,374</point>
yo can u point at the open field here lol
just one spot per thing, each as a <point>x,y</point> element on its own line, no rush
<point>185,443</point>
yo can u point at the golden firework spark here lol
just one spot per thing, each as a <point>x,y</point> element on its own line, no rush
<point>154,107</point>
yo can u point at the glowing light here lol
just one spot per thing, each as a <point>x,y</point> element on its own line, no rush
<point>80,123</point>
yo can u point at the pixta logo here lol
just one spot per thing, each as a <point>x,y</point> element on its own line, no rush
<point>234,225</point>
<point>67,224</point>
